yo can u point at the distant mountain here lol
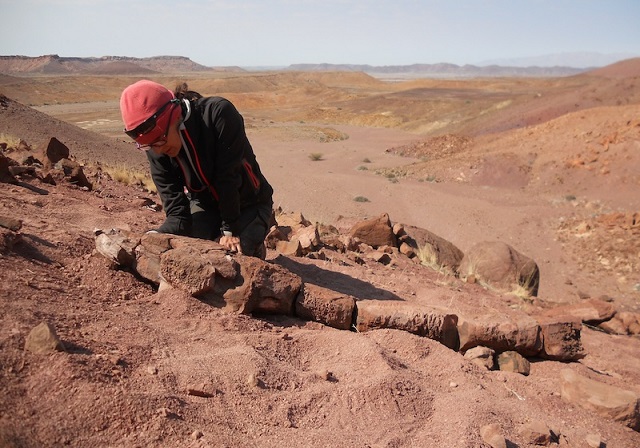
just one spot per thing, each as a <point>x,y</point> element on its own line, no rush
<point>123,65</point>
<point>576,59</point>
<point>54,64</point>
<point>442,70</point>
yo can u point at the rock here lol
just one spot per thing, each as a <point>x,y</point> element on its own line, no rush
<point>225,264</point>
<point>261,287</point>
<point>290,248</point>
<point>443,252</point>
<point>73,171</point>
<point>8,239</point>
<point>55,151</point>
<point>613,326</point>
<point>326,306</point>
<point>194,269</point>
<point>188,270</point>
<point>294,220</point>
<point>628,318</point>
<point>23,170</point>
<point>43,339</point>
<point>560,338</point>
<point>492,436</point>
<point>407,250</point>
<point>308,237</point>
<point>5,173</point>
<point>254,381</point>
<point>591,311</point>
<point>274,236</point>
<point>594,441</point>
<point>30,160</point>
<point>12,224</point>
<point>430,322</point>
<point>536,433</point>
<point>501,266</point>
<point>398,230</point>
<point>118,246</point>
<point>501,332</point>
<point>147,253</point>
<point>199,392</point>
<point>374,232</point>
<point>625,322</point>
<point>481,356</point>
<point>513,362</point>
<point>379,257</point>
<point>203,268</point>
<point>608,401</point>
<point>47,178</point>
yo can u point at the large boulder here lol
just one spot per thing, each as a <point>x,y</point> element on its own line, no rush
<point>430,248</point>
<point>500,266</point>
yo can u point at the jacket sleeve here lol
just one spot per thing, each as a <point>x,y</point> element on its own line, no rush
<point>231,143</point>
<point>170,186</point>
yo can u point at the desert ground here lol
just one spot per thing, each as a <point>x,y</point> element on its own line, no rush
<point>549,166</point>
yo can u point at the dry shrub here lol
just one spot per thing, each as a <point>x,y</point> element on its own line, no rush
<point>130,176</point>
<point>11,140</point>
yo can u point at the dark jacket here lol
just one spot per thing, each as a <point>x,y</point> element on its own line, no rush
<point>216,165</point>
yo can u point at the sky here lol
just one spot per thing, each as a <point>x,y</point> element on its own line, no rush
<point>262,33</point>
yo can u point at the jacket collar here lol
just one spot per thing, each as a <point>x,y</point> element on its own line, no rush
<point>186,112</point>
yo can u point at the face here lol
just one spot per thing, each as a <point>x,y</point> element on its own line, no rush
<point>169,145</point>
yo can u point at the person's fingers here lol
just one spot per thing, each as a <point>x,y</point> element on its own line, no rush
<point>231,243</point>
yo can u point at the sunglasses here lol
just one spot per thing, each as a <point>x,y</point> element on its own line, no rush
<point>149,124</point>
<point>159,142</point>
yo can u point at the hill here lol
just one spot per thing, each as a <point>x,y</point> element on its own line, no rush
<point>54,64</point>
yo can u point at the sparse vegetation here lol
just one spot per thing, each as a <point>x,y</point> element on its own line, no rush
<point>366,160</point>
<point>361,199</point>
<point>428,257</point>
<point>362,168</point>
<point>129,176</point>
<point>316,156</point>
<point>393,174</point>
<point>522,292</point>
<point>10,140</point>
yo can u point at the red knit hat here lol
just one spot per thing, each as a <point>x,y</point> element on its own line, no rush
<point>140,101</point>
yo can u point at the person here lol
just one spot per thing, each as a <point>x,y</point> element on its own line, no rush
<point>202,165</point>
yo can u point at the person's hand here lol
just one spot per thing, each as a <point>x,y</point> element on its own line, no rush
<point>231,243</point>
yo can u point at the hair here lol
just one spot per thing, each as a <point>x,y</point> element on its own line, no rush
<point>182,92</point>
